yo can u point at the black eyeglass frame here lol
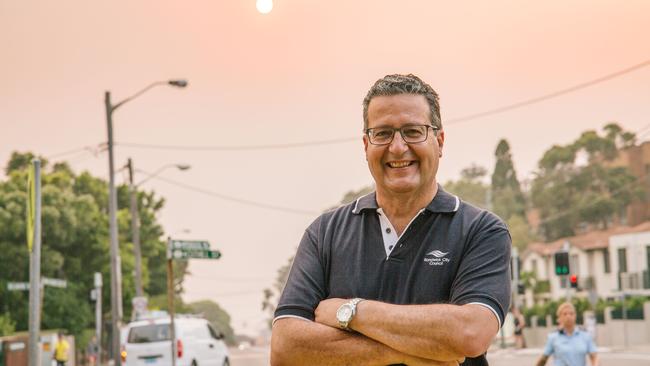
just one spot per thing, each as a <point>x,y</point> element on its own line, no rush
<point>401,132</point>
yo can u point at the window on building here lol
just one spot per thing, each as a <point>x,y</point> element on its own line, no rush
<point>647,258</point>
<point>622,260</point>
<point>533,264</point>
<point>606,260</point>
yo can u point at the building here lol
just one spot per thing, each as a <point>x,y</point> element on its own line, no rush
<point>604,261</point>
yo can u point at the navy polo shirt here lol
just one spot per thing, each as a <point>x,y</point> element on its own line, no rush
<point>452,252</point>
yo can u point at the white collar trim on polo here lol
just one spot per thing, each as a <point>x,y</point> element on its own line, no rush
<point>388,232</point>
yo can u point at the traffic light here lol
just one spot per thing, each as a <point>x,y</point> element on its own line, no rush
<point>574,281</point>
<point>561,263</point>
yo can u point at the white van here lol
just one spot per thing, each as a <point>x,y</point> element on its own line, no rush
<point>147,343</point>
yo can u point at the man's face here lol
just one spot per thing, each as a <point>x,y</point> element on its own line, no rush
<point>567,317</point>
<point>399,167</point>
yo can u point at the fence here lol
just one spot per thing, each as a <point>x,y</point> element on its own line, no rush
<point>612,332</point>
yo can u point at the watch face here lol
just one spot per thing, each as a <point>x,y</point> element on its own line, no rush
<point>344,313</point>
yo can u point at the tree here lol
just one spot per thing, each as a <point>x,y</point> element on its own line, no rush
<point>74,243</point>
<point>20,161</point>
<point>7,326</point>
<point>217,316</point>
<point>507,198</point>
<point>470,187</point>
<point>520,232</point>
<point>272,295</point>
<point>574,185</point>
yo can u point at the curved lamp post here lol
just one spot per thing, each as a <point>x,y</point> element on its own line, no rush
<point>116,273</point>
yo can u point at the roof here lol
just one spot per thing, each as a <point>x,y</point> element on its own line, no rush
<point>598,239</point>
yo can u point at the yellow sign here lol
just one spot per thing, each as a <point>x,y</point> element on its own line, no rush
<point>31,206</point>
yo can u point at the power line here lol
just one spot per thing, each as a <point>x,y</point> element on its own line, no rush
<point>241,147</point>
<point>548,96</point>
<point>466,118</point>
<point>91,149</point>
<point>229,294</point>
<point>232,199</point>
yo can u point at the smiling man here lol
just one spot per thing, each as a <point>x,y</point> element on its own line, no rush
<point>408,274</point>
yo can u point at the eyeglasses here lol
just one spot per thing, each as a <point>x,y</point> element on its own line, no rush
<point>411,134</point>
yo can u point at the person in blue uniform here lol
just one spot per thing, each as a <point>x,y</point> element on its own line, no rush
<point>569,345</point>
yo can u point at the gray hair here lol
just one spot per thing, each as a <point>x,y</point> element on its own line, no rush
<point>404,84</point>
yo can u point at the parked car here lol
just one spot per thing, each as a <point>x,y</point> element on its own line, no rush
<point>148,343</point>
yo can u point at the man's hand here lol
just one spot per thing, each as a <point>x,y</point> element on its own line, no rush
<point>325,314</point>
<point>442,332</point>
<point>326,311</point>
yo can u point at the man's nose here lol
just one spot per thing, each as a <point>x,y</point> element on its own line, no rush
<point>398,145</point>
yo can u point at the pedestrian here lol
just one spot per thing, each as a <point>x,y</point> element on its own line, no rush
<point>61,350</point>
<point>92,351</point>
<point>408,274</point>
<point>520,324</point>
<point>569,345</point>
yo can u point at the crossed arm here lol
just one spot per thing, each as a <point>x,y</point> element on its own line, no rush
<point>437,334</point>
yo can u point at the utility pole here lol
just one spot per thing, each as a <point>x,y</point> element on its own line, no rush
<point>515,274</point>
<point>116,267</point>
<point>98,315</point>
<point>135,232</point>
<point>34,203</point>
<point>170,299</point>
<point>182,249</point>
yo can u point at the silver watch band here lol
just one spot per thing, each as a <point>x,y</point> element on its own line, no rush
<point>353,305</point>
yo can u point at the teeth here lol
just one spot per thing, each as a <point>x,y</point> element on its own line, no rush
<point>399,164</point>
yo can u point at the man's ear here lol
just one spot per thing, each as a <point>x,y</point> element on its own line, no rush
<point>441,141</point>
<point>365,145</point>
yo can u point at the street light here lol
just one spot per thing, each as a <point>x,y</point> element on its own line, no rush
<point>135,219</point>
<point>116,274</point>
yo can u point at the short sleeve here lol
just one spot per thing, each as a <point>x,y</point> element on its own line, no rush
<point>483,275</point>
<point>548,348</point>
<point>591,346</point>
<point>305,286</point>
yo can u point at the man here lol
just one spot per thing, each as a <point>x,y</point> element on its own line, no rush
<point>569,345</point>
<point>408,274</point>
<point>61,350</point>
<point>92,351</point>
<point>520,324</point>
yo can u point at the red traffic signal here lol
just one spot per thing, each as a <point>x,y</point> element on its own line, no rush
<point>574,281</point>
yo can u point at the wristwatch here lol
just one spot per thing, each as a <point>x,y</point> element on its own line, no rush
<point>346,312</point>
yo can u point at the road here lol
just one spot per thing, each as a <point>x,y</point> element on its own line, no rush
<point>259,356</point>
<point>510,357</point>
<point>252,356</point>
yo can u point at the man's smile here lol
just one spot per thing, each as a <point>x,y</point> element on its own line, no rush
<point>400,163</point>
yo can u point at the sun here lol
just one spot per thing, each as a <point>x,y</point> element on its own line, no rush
<point>264,6</point>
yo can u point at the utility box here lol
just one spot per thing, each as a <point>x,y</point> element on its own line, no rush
<point>14,350</point>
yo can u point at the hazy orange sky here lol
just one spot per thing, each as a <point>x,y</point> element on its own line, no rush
<point>299,74</point>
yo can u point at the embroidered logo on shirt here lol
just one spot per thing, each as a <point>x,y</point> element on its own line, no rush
<point>437,259</point>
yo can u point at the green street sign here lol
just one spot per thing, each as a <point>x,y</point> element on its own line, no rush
<point>195,254</point>
<point>190,244</point>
